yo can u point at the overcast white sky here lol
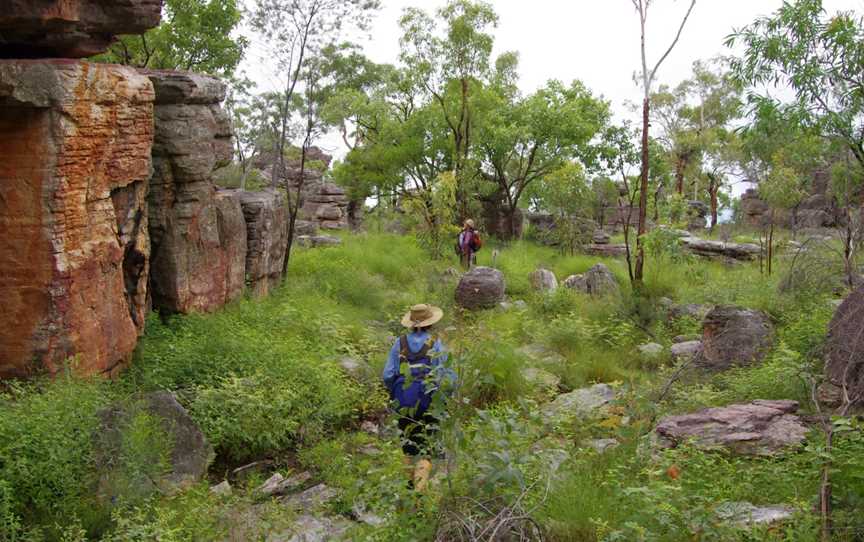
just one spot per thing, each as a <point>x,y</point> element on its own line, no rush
<point>596,41</point>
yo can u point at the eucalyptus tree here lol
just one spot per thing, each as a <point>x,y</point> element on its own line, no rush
<point>449,58</point>
<point>522,140</point>
<point>295,31</point>
<point>648,77</point>
<point>196,35</point>
<point>820,56</point>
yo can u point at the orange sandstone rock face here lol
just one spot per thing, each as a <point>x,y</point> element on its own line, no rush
<point>75,157</point>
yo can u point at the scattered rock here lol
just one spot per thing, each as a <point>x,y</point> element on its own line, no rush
<point>603,445</point>
<point>580,403</point>
<point>651,350</point>
<point>597,281</point>
<point>577,282</point>
<point>243,472</point>
<point>480,288</point>
<point>688,310</point>
<point>845,347</point>
<point>312,498</point>
<point>364,516</point>
<point>370,427</point>
<point>540,378</point>
<point>600,237</point>
<point>279,485</point>
<point>762,428</point>
<point>356,369</point>
<point>305,227</point>
<point>520,304</point>
<point>314,241</point>
<point>733,336</point>
<point>678,339</point>
<point>745,514</point>
<point>541,354</point>
<point>601,281</point>
<point>223,489</point>
<point>607,250</point>
<point>686,350</point>
<point>544,280</point>
<point>309,528</point>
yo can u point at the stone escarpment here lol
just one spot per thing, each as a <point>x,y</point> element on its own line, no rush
<point>198,233</point>
<point>75,142</point>
<point>71,28</point>
<point>107,204</point>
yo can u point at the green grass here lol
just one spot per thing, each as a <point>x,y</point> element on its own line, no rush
<point>261,377</point>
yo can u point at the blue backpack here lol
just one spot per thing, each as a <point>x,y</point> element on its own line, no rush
<point>413,393</point>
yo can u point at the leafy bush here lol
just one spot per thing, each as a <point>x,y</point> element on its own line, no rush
<point>46,453</point>
<point>244,417</point>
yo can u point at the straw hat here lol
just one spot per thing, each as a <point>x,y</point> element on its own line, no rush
<point>422,316</point>
<point>469,223</point>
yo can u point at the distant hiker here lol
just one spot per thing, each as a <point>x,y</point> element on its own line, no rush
<point>468,244</point>
<point>414,371</point>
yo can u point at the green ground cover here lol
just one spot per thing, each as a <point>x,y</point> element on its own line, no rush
<point>262,379</point>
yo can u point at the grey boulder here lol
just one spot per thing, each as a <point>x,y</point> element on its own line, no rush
<point>480,288</point>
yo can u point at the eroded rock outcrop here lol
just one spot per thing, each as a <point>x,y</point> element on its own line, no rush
<point>758,428</point>
<point>75,139</point>
<point>719,249</point>
<point>198,236</point>
<point>266,216</point>
<point>71,28</point>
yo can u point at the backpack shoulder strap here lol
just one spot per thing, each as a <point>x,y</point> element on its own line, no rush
<point>424,350</point>
<point>404,350</point>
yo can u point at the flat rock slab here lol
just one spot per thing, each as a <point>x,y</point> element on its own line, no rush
<point>309,528</point>
<point>580,403</point>
<point>745,514</point>
<point>719,249</point>
<point>315,241</point>
<point>279,485</point>
<point>761,428</point>
<point>312,498</point>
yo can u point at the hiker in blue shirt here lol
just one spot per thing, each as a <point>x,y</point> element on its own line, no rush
<point>415,370</point>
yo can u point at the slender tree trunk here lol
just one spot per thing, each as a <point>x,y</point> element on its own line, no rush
<point>639,272</point>
<point>680,165</point>
<point>713,191</point>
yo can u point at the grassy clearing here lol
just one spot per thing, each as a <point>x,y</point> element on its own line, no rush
<point>262,379</point>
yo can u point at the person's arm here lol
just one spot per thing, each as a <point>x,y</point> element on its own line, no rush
<point>391,368</point>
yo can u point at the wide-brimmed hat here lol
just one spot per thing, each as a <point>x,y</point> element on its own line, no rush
<point>422,315</point>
